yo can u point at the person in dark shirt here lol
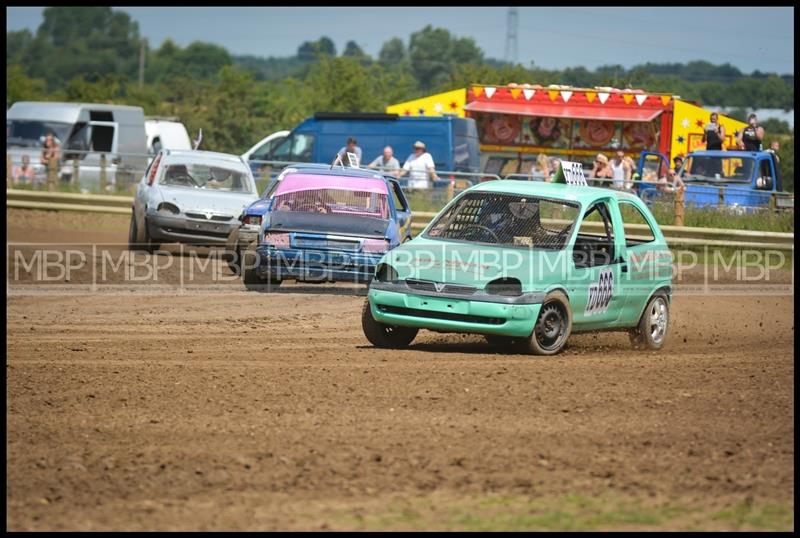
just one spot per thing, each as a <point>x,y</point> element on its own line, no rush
<point>714,133</point>
<point>750,137</point>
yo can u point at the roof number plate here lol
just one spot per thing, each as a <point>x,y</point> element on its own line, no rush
<point>573,173</point>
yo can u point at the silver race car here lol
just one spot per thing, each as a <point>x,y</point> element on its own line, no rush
<point>190,197</point>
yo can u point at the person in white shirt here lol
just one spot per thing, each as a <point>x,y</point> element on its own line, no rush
<point>419,167</point>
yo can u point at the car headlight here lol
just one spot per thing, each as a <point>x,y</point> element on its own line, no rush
<point>375,246</point>
<point>167,208</point>
<point>510,287</point>
<point>279,240</point>
<point>254,220</point>
<point>386,273</point>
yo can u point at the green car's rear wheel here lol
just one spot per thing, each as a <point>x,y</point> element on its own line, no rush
<point>553,326</point>
<point>652,329</point>
<point>381,335</point>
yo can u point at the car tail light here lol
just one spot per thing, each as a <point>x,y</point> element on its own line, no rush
<point>375,246</point>
<point>252,219</point>
<point>280,240</point>
<point>152,177</point>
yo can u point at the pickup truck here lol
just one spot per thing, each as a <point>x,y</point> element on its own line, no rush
<point>732,179</point>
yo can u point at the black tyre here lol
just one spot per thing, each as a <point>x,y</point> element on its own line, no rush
<point>147,243</point>
<point>386,336</point>
<point>553,326</point>
<point>651,332</point>
<point>132,233</point>
<point>249,263</point>
<point>235,261</point>
<point>139,239</point>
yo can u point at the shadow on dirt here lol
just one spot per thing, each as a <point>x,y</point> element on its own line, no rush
<point>323,288</point>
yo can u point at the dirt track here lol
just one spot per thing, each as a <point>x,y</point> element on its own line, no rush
<point>237,410</point>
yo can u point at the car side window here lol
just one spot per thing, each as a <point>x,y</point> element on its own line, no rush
<point>594,244</point>
<point>399,201</point>
<point>264,152</point>
<point>636,226</point>
<point>765,172</point>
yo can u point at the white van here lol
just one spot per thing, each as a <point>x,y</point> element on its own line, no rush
<point>85,133</point>
<point>165,133</point>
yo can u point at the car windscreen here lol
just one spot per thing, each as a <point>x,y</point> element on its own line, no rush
<point>502,219</point>
<point>208,177</point>
<point>31,133</point>
<point>333,201</point>
<point>717,168</point>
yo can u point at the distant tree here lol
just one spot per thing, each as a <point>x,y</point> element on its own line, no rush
<point>310,50</point>
<point>431,51</point>
<point>20,87</point>
<point>392,52</point>
<point>352,50</point>
<point>105,90</point>
<point>17,45</point>
<point>88,41</point>
<point>774,126</point>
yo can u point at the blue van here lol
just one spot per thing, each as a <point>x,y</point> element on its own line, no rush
<point>451,141</point>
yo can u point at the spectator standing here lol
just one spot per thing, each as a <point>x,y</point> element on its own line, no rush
<point>714,133</point>
<point>24,173</point>
<point>671,183</point>
<point>50,148</point>
<point>350,147</point>
<point>677,162</point>
<point>750,137</point>
<point>541,168</point>
<point>774,148</point>
<point>386,162</point>
<point>419,167</point>
<point>620,171</point>
<point>600,170</point>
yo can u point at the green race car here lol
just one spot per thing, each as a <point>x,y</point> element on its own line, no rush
<point>527,264</point>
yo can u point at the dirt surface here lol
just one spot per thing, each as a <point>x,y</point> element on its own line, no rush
<point>136,408</point>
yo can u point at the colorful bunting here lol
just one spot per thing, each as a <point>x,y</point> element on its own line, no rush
<point>603,96</point>
<point>490,91</point>
<point>591,96</point>
<point>528,94</point>
<point>641,98</point>
<point>565,95</point>
<point>628,98</point>
<point>515,93</point>
<point>665,99</point>
<point>477,90</point>
<point>553,94</point>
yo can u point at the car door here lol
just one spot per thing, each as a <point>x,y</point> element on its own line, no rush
<point>595,293</point>
<point>403,210</point>
<point>102,140</point>
<point>646,259</point>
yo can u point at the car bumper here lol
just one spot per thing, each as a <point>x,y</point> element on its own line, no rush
<point>178,229</point>
<point>449,314</point>
<point>315,265</point>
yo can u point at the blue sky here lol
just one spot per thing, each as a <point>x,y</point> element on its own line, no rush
<point>748,38</point>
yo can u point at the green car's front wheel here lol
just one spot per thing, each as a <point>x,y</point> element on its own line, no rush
<point>653,325</point>
<point>553,326</point>
<point>381,335</point>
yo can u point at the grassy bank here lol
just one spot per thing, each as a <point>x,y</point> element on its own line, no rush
<point>566,513</point>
